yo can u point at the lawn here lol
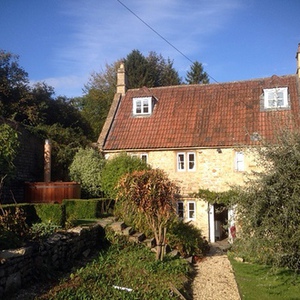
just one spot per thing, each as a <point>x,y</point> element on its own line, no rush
<point>264,283</point>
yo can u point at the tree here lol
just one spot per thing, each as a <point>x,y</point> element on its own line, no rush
<point>153,195</point>
<point>117,167</point>
<point>196,74</point>
<point>65,143</point>
<point>99,93</point>
<point>136,66</point>
<point>151,71</point>
<point>269,205</point>
<point>86,169</point>
<point>13,85</point>
<point>169,76</point>
<point>9,145</point>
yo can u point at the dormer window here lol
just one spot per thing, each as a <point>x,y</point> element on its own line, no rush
<point>276,98</point>
<point>142,106</point>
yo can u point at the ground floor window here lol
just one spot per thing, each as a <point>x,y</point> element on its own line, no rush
<point>191,210</point>
<point>180,209</point>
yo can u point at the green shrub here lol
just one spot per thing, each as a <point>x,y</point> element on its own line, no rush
<point>50,213</point>
<point>117,167</point>
<point>87,208</point>
<point>43,230</point>
<point>86,169</point>
<point>187,239</point>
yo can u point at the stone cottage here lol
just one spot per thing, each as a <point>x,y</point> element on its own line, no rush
<point>199,134</point>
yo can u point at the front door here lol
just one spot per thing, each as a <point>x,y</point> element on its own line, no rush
<point>211,220</point>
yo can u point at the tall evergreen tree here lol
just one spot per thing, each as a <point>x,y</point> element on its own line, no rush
<point>196,74</point>
<point>136,66</point>
<point>169,76</point>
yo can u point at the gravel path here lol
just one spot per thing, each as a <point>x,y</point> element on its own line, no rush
<point>215,278</point>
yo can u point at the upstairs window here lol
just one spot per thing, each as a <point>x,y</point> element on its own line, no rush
<point>181,162</point>
<point>276,98</point>
<point>191,161</point>
<point>144,157</point>
<point>186,161</point>
<point>239,162</point>
<point>142,106</point>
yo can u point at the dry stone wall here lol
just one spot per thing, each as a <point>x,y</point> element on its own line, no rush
<point>19,268</point>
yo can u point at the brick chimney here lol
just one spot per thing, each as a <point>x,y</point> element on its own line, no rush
<point>121,80</point>
<point>298,60</point>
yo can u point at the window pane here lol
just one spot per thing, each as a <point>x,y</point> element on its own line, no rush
<point>180,209</point>
<point>191,161</point>
<point>191,206</point>
<point>239,156</point>
<point>144,158</point>
<point>145,106</point>
<point>180,161</point>
<point>271,99</point>
<point>279,98</point>
<point>138,107</point>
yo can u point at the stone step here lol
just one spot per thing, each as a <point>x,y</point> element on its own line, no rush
<point>106,221</point>
<point>150,243</point>
<point>137,237</point>
<point>117,226</point>
<point>128,231</point>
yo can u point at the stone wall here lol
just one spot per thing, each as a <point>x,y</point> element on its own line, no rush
<point>19,268</point>
<point>29,164</point>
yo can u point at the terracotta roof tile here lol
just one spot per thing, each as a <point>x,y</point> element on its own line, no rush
<point>200,115</point>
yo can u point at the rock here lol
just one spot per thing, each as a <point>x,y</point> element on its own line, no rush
<point>189,259</point>
<point>4,254</point>
<point>240,259</point>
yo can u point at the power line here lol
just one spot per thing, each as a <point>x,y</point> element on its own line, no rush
<point>157,33</point>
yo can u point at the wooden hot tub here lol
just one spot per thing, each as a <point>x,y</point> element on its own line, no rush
<point>51,192</point>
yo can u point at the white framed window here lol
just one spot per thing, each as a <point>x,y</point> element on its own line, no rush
<point>180,209</point>
<point>276,97</point>
<point>142,106</point>
<point>186,161</point>
<point>191,161</point>
<point>191,210</point>
<point>181,161</point>
<point>239,161</point>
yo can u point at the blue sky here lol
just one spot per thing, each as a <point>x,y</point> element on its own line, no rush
<point>62,42</point>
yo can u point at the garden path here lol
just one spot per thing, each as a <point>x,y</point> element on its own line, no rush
<point>214,278</point>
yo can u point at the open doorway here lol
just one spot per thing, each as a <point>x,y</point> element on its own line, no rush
<point>218,222</point>
<point>221,222</point>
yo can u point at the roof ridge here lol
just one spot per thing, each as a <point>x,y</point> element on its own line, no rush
<point>214,84</point>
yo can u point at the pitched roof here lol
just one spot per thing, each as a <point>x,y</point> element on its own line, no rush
<point>192,116</point>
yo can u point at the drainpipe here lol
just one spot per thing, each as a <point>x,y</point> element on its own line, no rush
<point>47,161</point>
